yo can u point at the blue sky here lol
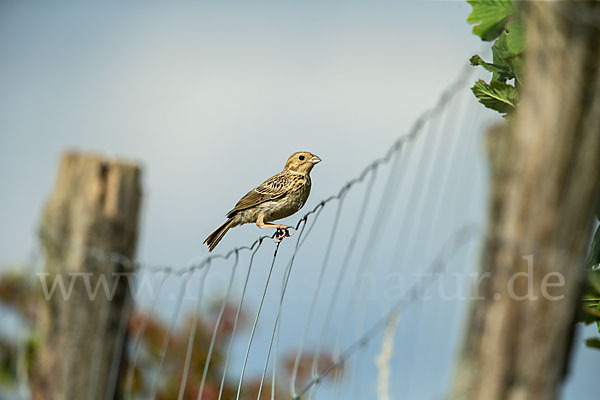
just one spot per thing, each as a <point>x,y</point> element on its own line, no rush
<point>212,98</point>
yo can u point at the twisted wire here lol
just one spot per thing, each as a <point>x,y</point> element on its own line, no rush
<point>457,240</point>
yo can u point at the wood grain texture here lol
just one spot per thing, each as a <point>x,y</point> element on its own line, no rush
<point>94,205</point>
<point>545,179</point>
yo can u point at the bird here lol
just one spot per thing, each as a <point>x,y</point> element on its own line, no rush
<point>278,197</point>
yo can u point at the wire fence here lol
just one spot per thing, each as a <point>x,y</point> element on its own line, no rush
<point>419,217</point>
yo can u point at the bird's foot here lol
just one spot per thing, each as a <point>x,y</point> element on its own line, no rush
<point>281,233</point>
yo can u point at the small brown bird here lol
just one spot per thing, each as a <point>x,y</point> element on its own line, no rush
<point>278,197</point>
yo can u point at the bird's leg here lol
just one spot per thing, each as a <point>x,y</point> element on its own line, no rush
<point>260,222</point>
<point>281,232</point>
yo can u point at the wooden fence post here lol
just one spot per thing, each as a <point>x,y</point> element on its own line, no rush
<point>546,175</point>
<point>91,216</point>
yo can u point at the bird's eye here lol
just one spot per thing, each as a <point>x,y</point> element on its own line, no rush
<point>301,158</point>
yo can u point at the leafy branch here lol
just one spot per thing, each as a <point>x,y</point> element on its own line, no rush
<point>499,21</point>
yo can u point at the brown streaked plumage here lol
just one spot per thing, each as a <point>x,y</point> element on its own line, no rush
<point>278,197</point>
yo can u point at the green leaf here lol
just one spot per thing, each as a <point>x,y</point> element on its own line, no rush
<point>590,301</point>
<point>593,343</point>
<point>593,284</point>
<point>502,55</point>
<point>594,256</point>
<point>500,51</point>
<point>501,72</point>
<point>516,37</point>
<point>491,17</point>
<point>516,67</point>
<point>496,95</point>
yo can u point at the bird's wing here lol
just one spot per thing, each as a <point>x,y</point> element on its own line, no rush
<point>272,189</point>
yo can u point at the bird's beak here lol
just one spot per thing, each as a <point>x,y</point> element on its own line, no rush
<point>315,160</point>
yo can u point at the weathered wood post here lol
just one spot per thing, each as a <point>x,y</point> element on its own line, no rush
<point>90,219</point>
<point>546,175</point>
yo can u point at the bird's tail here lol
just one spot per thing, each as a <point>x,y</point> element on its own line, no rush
<point>214,238</point>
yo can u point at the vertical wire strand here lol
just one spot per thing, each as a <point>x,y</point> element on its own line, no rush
<point>342,271</point>
<point>338,382</point>
<point>385,201</point>
<point>413,202</point>
<point>456,241</point>
<point>378,224</point>
<point>424,193</point>
<point>192,337</point>
<point>411,350</point>
<point>426,183</point>
<point>452,150</point>
<point>136,348</point>
<point>348,367</point>
<point>287,273</point>
<point>275,355</point>
<point>314,298</point>
<point>239,390</point>
<point>417,208</point>
<point>167,338</point>
<point>118,348</point>
<point>217,326</point>
<point>301,239</point>
<point>237,317</point>
<point>447,168</point>
<point>414,187</point>
<point>356,388</point>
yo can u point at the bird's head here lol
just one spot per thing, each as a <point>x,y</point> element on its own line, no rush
<point>301,162</point>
